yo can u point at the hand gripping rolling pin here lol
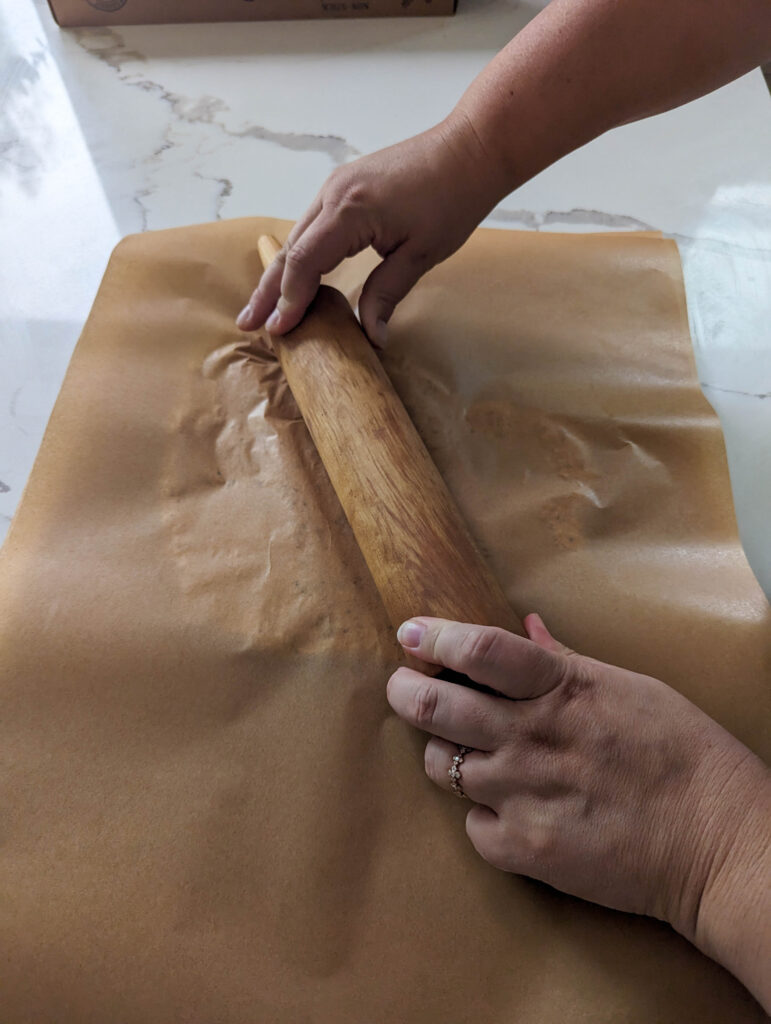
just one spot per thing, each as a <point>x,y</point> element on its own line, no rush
<point>413,538</point>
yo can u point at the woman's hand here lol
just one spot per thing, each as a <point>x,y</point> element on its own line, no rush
<point>601,782</point>
<point>415,203</point>
<point>576,70</point>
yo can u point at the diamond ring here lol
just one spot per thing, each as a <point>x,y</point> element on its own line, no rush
<point>454,772</point>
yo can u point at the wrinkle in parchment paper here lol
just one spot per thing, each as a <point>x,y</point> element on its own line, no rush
<point>209,812</point>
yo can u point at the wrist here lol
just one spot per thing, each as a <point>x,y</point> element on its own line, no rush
<point>732,923</point>
<point>478,167</point>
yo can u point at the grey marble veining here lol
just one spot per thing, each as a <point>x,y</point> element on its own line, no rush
<point>599,220</point>
<point>108,46</point>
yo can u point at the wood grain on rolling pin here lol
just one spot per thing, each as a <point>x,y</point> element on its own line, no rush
<point>413,538</point>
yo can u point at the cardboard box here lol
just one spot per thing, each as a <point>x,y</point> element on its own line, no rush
<point>144,12</point>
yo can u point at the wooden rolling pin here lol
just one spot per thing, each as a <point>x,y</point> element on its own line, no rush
<point>413,538</point>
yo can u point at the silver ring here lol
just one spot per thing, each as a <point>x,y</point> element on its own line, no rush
<point>454,771</point>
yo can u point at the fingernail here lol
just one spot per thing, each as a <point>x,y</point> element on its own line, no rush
<point>272,320</point>
<point>243,316</point>
<point>410,633</point>
<point>381,333</point>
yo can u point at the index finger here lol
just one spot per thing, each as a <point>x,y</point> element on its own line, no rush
<point>265,296</point>
<point>319,249</point>
<point>453,712</point>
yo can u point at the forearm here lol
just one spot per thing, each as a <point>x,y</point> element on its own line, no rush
<point>582,67</point>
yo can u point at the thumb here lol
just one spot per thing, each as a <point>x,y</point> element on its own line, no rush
<point>385,288</point>
<point>502,661</point>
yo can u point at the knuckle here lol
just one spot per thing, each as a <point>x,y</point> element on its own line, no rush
<point>538,843</point>
<point>336,181</point>
<point>297,257</point>
<point>479,644</point>
<point>425,703</point>
<point>344,188</point>
<point>354,195</point>
<point>556,673</point>
<point>545,734</point>
<point>496,850</point>
<point>575,680</point>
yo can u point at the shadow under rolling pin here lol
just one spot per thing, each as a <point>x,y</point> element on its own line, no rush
<point>413,538</point>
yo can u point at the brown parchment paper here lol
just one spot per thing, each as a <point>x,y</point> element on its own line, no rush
<point>208,813</point>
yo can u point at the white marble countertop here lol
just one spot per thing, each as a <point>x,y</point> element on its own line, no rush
<point>105,132</point>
